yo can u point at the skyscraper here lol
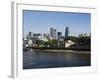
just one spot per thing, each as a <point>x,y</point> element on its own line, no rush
<point>66,32</point>
<point>53,33</point>
<point>59,35</point>
<point>30,35</point>
<point>27,36</point>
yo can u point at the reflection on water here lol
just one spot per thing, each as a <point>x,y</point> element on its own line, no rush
<point>33,59</point>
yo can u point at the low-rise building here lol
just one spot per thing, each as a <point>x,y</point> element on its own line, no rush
<point>30,42</point>
<point>68,43</point>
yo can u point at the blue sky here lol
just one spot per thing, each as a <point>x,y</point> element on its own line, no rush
<point>42,21</point>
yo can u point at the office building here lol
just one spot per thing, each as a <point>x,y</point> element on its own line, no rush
<point>30,35</point>
<point>59,35</point>
<point>53,33</point>
<point>66,32</point>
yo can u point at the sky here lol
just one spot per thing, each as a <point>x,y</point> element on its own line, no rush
<point>42,21</point>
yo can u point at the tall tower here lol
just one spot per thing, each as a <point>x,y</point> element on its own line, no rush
<point>30,35</point>
<point>66,32</point>
<point>53,33</point>
<point>59,35</point>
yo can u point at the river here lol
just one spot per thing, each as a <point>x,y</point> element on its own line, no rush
<point>44,59</point>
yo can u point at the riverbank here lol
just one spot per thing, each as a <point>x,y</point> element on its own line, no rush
<point>61,48</point>
<point>64,51</point>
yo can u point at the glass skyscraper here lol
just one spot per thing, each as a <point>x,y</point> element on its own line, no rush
<point>66,32</point>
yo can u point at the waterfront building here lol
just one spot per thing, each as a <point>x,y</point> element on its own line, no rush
<point>43,38</point>
<point>30,42</point>
<point>68,43</point>
<point>35,38</point>
<point>39,36</point>
<point>25,42</point>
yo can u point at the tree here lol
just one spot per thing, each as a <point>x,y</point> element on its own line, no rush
<point>39,42</point>
<point>55,42</point>
<point>84,40</point>
<point>73,38</point>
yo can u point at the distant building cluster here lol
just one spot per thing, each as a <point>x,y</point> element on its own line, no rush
<point>48,39</point>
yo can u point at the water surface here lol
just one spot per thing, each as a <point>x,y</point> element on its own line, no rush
<point>34,59</point>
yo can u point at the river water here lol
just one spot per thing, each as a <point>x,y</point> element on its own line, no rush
<point>36,60</point>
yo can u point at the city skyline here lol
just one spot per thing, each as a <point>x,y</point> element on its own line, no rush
<point>42,21</point>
